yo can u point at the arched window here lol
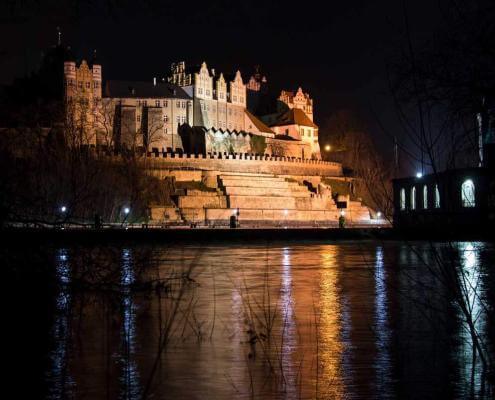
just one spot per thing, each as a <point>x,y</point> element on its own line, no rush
<point>425,197</point>
<point>437,197</point>
<point>467,193</point>
<point>402,199</point>
<point>413,198</point>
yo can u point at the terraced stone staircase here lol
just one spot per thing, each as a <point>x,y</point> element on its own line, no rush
<point>263,199</point>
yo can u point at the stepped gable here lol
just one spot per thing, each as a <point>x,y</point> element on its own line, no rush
<point>147,90</point>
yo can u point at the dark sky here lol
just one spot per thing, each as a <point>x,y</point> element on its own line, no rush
<point>336,50</point>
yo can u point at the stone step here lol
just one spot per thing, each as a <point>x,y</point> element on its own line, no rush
<point>202,201</point>
<point>356,216</point>
<point>254,183</point>
<point>264,191</point>
<point>272,215</point>
<point>193,214</point>
<point>244,174</point>
<point>265,202</point>
<point>251,177</point>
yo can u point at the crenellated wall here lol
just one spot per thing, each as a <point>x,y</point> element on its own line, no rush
<point>160,163</point>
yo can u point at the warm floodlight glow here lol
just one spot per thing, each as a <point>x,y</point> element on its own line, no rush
<point>342,213</point>
<point>419,175</point>
<point>328,147</point>
<point>286,212</point>
<point>127,210</point>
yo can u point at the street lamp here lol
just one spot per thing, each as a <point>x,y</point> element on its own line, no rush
<point>328,147</point>
<point>127,210</point>
<point>419,175</point>
<point>63,209</point>
<point>379,214</point>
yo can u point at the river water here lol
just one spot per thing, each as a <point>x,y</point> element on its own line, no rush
<point>336,320</point>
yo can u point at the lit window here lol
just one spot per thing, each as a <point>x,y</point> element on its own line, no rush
<point>437,197</point>
<point>157,103</point>
<point>402,199</point>
<point>425,197</point>
<point>467,193</point>
<point>413,198</point>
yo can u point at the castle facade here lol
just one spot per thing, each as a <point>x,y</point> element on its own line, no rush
<point>194,110</point>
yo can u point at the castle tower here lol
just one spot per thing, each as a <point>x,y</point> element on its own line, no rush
<point>96,71</point>
<point>70,79</point>
<point>83,93</point>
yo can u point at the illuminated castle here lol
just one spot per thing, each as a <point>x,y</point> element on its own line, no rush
<point>195,110</point>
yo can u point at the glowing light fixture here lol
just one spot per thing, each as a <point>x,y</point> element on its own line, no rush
<point>379,214</point>
<point>63,209</point>
<point>127,210</point>
<point>419,175</point>
<point>328,147</point>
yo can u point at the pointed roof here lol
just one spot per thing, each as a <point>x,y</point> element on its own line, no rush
<point>258,124</point>
<point>129,89</point>
<point>294,116</point>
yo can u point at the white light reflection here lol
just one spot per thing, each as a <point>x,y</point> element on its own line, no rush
<point>289,333</point>
<point>58,375</point>
<point>381,327</point>
<point>472,284</point>
<point>129,378</point>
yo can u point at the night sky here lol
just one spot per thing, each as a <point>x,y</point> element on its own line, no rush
<point>338,51</point>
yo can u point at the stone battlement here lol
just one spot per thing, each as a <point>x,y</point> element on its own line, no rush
<point>240,163</point>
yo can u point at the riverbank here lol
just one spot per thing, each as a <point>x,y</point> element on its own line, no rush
<point>201,234</point>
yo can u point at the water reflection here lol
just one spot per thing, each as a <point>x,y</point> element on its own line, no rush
<point>350,322</point>
<point>471,282</point>
<point>381,326</point>
<point>130,387</point>
<point>289,329</point>
<point>329,348</point>
<point>60,381</point>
